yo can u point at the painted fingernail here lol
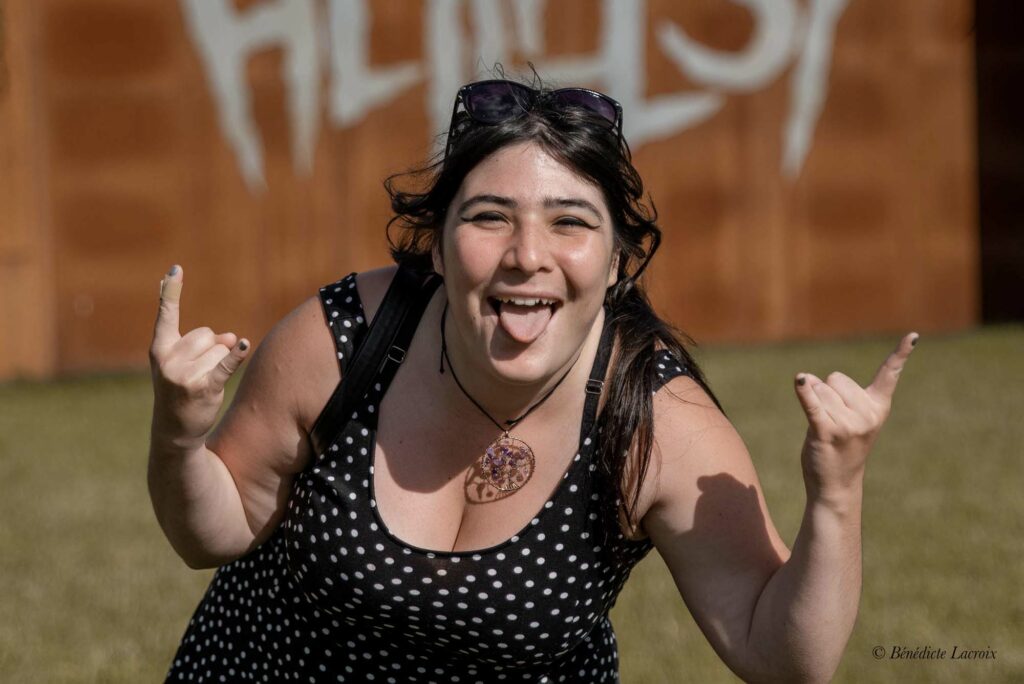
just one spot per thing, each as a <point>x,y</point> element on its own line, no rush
<point>174,269</point>
<point>913,342</point>
<point>801,380</point>
<point>243,345</point>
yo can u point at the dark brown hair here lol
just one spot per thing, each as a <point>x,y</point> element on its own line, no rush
<point>585,143</point>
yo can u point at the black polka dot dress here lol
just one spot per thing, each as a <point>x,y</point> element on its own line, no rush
<point>333,596</point>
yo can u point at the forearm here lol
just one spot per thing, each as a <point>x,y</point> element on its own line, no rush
<point>806,612</point>
<point>197,503</point>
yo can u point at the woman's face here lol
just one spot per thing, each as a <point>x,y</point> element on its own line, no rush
<point>527,252</point>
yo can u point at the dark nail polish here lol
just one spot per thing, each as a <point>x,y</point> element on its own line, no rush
<point>243,345</point>
<point>801,380</point>
<point>174,269</point>
<point>913,342</point>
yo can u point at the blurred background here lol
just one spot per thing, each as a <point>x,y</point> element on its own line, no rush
<point>829,174</point>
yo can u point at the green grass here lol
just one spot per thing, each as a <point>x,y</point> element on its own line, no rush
<point>93,592</point>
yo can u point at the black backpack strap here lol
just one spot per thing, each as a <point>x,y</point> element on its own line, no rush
<point>406,298</point>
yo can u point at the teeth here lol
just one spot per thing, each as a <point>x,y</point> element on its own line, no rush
<point>520,301</point>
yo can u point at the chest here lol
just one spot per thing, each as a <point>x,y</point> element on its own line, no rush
<point>431,485</point>
<point>389,534</point>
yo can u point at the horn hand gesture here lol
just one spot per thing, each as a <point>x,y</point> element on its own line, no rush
<point>844,420</point>
<point>189,371</point>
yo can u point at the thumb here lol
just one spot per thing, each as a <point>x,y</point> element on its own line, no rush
<point>227,366</point>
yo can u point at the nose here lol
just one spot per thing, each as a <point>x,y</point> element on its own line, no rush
<point>527,249</point>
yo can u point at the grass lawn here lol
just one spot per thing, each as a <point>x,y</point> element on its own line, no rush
<point>93,592</point>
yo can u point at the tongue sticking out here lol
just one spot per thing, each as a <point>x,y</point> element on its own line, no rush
<point>524,323</point>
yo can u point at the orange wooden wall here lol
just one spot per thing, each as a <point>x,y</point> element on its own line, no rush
<point>114,165</point>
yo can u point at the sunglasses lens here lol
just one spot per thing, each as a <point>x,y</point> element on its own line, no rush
<point>492,103</point>
<point>574,97</point>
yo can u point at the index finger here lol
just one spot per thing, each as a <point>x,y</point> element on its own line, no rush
<point>167,318</point>
<point>884,384</point>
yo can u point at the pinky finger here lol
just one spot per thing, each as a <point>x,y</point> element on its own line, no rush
<point>810,401</point>
<point>228,364</point>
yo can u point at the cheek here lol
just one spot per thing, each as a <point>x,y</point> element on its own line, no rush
<point>587,267</point>
<point>471,261</point>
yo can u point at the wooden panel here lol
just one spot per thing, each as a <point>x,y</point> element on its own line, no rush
<point>106,71</point>
<point>130,170</point>
<point>27,324</point>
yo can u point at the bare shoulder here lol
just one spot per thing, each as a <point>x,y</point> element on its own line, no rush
<point>683,406</point>
<point>703,476</point>
<point>684,415</point>
<point>301,360</point>
<point>695,439</point>
<point>371,286</point>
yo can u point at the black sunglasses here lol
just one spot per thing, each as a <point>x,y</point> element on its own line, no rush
<point>492,102</point>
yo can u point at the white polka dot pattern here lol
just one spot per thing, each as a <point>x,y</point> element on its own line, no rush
<point>333,596</point>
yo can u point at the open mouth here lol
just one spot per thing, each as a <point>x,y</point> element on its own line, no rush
<point>523,319</point>
<point>523,303</point>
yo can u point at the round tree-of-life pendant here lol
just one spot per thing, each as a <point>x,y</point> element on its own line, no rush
<point>507,464</point>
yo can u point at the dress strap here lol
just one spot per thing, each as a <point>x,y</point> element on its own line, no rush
<point>595,385</point>
<point>343,312</point>
<point>668,366</point>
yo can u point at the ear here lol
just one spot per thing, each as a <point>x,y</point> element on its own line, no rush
<point>613,271</point>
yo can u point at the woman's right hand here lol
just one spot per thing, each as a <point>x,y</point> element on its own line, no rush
<point>189,372</point>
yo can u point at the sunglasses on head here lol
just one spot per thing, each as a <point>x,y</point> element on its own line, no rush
<point>492,102</point>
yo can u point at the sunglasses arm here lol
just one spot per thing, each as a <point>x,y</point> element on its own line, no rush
<point>451,126</point>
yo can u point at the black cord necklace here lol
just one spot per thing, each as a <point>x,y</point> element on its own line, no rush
<point>508,463</point>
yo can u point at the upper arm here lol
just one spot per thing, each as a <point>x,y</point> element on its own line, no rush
<point>263,436</point>
<point>708,517</point>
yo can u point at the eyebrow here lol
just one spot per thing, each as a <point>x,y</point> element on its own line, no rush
<point>549,202</point>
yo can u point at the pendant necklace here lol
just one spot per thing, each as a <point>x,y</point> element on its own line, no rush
<point>508,463</point>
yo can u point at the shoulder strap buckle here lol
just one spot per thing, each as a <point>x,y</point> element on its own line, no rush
<point>595,386</point>
<point>396,354</point>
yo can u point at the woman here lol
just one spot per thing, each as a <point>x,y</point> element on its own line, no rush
<point>476,515</point>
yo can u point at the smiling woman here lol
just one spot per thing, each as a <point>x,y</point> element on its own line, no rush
<point>412,537</point>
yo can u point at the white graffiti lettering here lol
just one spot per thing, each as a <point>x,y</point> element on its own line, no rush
<point>226,38</point>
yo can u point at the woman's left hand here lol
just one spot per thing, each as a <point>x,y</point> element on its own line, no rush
<point>844,420</point>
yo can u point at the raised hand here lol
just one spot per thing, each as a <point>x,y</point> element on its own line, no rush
<point>189,371</point>
<point>844,420</point>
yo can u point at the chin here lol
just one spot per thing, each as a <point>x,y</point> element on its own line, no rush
<point>516,372</point>
<point>529,365</point>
